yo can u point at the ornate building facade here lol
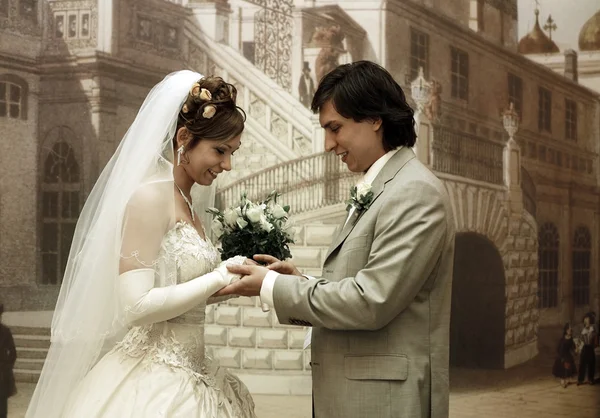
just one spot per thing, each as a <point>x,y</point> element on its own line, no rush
<point>526,201</point>
<point>566,246</point>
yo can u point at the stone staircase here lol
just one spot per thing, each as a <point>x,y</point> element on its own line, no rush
<point>315,230</point>
<point>278,127</point>
<point>32,345</point>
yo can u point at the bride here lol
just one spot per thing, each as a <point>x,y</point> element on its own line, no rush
<point>141,270</point>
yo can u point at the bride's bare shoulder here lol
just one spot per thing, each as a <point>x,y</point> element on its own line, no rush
<point>155,195</point>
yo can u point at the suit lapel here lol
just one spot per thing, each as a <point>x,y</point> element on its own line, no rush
<point>387,173</point>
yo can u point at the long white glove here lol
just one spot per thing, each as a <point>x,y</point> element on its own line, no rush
<point>145,304</point>
<point>234,260</point>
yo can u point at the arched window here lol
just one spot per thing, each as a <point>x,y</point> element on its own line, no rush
<point>13,97</point>
<point>582,246</point>
<point>61,203</point>
<point>548,266</point>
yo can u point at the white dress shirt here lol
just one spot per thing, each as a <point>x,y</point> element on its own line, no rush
<point>266,291</point>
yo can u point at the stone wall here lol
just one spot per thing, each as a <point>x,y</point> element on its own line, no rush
<point>521,270</point>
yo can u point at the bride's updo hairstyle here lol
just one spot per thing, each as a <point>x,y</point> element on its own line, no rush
<point>210,111</point>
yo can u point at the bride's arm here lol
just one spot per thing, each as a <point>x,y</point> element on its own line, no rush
<point>145,304</point>
<point>146,294</point>
<point>218,299</point>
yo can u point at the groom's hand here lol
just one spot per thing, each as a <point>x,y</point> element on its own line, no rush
<point>249,284</point>
<point>281,267</point>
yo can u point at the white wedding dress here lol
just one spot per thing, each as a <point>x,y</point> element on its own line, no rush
<point>161,369</point>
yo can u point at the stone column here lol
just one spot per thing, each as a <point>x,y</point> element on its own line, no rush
<point>213,16</point>
<point>103,115</point>
<point>512,174</point>
<point>297,51</point>
<point>565,271</point>
<point>595,266</point>
<point>423,148</point>
<point>107,27</point>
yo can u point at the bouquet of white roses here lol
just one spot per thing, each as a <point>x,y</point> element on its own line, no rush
<point>254,228</point>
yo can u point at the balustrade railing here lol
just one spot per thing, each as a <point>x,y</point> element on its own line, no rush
<point>320,180</point>
<point>305,184</point>
<point>466,155</point>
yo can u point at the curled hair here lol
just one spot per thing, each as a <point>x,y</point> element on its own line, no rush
<point>363,90</point>
<point>591,316</point>
<point>228,119</point>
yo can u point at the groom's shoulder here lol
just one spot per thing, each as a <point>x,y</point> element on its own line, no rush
<point>415,175</point>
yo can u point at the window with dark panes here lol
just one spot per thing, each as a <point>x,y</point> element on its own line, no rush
<point>419,53</point>
<point>548,266</point>
<point>459,74</point>
<point>61,203</point>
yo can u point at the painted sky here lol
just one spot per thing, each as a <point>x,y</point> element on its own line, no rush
<point>569,16</point>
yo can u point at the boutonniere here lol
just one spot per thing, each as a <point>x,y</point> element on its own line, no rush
<point>361,197</point>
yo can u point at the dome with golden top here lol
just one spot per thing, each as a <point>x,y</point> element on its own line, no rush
<point>589,36</point>
<point>536,41</point>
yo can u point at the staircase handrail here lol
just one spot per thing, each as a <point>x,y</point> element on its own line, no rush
<point>325,181</point>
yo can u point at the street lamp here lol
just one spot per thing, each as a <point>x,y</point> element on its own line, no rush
<point>420,90</point>
<point>512,155</point>
<point>510,120</point>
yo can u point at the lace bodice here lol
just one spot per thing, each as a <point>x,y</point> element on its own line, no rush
<point>178,342</point>
<point>193,257</point>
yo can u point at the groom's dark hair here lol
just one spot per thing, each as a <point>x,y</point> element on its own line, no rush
<point>364,90</point>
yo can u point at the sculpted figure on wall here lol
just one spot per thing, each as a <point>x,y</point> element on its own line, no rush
<point>331,41</point>
<point>434,107</point>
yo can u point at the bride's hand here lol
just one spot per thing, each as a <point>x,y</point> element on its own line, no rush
<point>281,267</point>
<point>227,275</point>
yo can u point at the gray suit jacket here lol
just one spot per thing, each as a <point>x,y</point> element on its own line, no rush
<point>381,312</point>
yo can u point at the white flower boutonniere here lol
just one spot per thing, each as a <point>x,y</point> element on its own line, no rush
<point>361,197</point>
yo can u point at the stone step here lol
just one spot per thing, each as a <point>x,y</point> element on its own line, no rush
<point>32,353</point>
<point>308,257</point>
<point>31,341</point>
<point>26,376</point>
<point>320,235</point>
<point>29,364</point>
<point>19,330</point>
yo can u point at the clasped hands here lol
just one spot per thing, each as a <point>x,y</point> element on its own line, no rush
<point>253,274</point>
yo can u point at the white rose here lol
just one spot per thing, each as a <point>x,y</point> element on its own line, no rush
<point>241,223</point>
<point>278,212</point>
<point>217,227</point>
<point>230,217</point>
<point>362,189</point>
<point>287,226</point>
<point>288,230</point>
<point>238,210</point>
<point>254,213</point>
<point>264,224</point>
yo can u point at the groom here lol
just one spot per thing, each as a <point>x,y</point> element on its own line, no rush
<point>381,311</point>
